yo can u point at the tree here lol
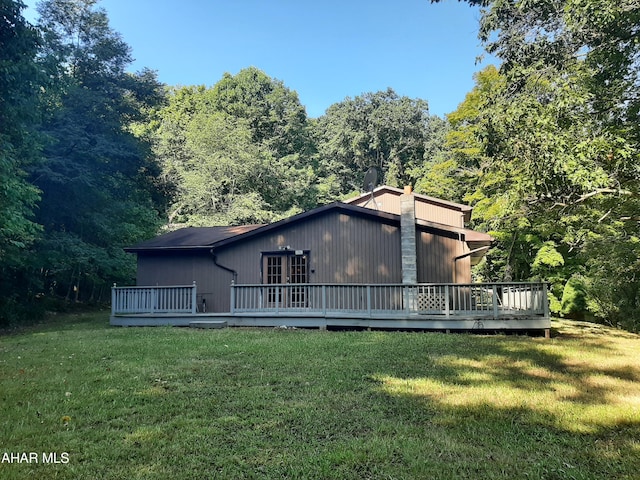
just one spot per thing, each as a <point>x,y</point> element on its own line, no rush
<point>378,129</point>
<point>453,171</point>
<point>97,178</point>
<point>20,82</point>
<point>226,181</point>
<point>235,153</point>
<point>561,141</point>
<point>274,114</point>
<point>20,87</point>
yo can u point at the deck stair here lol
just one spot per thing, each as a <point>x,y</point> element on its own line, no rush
<point>208,324</point>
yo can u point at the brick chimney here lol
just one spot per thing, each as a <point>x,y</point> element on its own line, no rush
<point>408,237</point>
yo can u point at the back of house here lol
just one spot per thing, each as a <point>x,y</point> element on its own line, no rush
<point>358,241</point>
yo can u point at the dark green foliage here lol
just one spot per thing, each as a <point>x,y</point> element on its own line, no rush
<point>613,286</point>
<point>382,130</point>
<point>20,82</point>
<point>19,90</point>
<point>574,297</point>
<point>97,178</point>
<point>554,142</point>
<point>273,112</point>
<point>236,153</point>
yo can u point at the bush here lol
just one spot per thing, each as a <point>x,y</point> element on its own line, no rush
<point>574,302</point>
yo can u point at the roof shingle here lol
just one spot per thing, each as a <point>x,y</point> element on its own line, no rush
<point>192,237</point>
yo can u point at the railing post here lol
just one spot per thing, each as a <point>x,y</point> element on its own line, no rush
<point>405,295</point>
<point>495,301</point>
<point>262,304</point>
<point>369,301</point>
<point>324,300</point>
<point>152,299</point>
<point>194,299</point>
<point>232,300</point>
<point>447,296</point>
<point>113,299</point>
<point>545,299</point>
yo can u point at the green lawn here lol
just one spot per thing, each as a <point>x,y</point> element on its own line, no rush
<point>178,403</point>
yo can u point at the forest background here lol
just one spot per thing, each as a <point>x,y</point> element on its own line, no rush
<point>545,148</point>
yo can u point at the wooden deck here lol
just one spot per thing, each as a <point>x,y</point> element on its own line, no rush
<point>473,307</point>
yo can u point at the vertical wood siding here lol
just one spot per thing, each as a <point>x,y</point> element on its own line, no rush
<point>343,249</point>
<point>436,259</point>
<point>390,203</point>
<point>183,268</point>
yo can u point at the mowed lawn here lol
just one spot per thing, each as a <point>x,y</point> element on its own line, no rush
<point>179,403</point>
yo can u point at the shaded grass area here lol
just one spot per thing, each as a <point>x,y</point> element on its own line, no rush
<point>152,403</point>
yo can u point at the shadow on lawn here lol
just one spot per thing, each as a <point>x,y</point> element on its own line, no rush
<point>519,442</point>
<point>54,322</point>
<point>536,364</point>
<point>563,415</point>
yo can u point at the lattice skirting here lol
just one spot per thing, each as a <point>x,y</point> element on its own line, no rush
<point>428,302</point>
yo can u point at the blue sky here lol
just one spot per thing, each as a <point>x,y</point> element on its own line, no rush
<point>326,51</point>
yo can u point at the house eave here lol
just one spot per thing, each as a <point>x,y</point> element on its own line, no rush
<point>167,248</point>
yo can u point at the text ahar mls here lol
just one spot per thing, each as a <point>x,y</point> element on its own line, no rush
<point>35,457</point>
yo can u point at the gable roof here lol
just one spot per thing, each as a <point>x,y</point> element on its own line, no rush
<point>464,209</point>
<point>214,237</point>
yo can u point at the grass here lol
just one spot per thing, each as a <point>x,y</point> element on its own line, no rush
<point>157,403</point>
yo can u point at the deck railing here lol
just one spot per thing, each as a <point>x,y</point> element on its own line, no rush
<point>496,300</point>
<point>165,299</point>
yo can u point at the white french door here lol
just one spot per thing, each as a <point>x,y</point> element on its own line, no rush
<point>284,269</point>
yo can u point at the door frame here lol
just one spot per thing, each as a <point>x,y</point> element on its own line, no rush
<point>295,297</point>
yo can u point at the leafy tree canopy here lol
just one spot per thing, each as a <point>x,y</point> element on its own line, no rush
<point>236,153</point>
<point>97,177</point>
<point>379,129</point>
<point>276,118</point>
<point>557,142</point>
<point>19,87</point>
<point>20,81</point>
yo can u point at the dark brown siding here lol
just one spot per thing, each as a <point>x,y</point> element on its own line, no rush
<point>183,268</point>
<point>342,249</point>
<point>436,259</point>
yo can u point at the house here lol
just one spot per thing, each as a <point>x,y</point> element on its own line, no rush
<point>358,251</point>
<point>350,242</point>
